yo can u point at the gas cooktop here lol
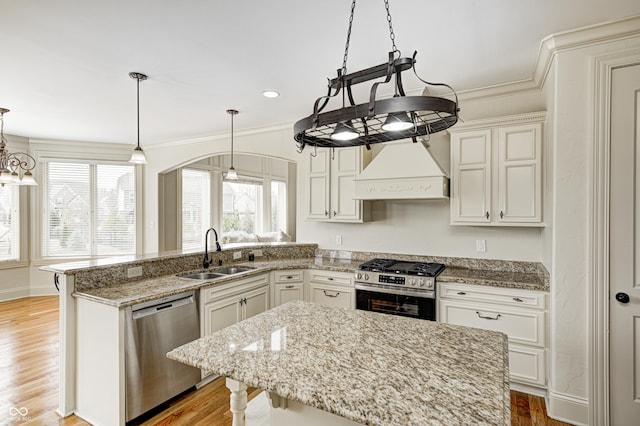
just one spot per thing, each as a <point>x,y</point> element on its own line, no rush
<point>402,267</point>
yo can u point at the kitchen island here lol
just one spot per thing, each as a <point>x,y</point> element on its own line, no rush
<point>359,366</point>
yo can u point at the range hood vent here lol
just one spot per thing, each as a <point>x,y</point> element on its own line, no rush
<point>402,171</point>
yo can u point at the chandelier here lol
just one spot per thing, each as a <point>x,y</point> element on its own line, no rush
<point>378,120</point>
<point>12,164</point>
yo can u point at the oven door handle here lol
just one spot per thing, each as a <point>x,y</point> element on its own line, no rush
<point>401,292</point>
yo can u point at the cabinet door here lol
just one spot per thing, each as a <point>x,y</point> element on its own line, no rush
<point>287,292</point>
<point>519,174</point>
<point>255,301</point>
<point>471,175</point>
<point>345,166</point>
<point>221,313</point>
<point>335,296</point>
<point>318,185</point>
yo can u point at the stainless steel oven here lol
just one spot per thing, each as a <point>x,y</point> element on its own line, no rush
<point>398,288</point>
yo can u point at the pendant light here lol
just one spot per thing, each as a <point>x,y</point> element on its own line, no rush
<point>137,156</point>
<point>231,174</point>
<point>376,120</point>
<point>12,163</point>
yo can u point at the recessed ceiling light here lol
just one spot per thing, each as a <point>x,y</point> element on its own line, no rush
<point>270,94</point>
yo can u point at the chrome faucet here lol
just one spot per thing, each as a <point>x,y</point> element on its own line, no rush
<point>207,258</point>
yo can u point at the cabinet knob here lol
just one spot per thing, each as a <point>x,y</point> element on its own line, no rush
<point>462,293</point>
<point>486,215</point>
<point>622,297</point>
<point>330,278</point>
<point>335,214</point>
<point>326,213</point>
<point>501,214</point>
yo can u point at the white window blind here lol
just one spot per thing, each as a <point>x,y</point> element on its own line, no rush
<point>90,210</point>
<point>278,206</point>
<point>196,201</point>
<point>9,223</point>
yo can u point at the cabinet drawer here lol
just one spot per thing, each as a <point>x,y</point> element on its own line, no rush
<point>286,292</point>
<point>330,277</point>
<point>525,326</point>
<point>527,365</point>
<point>328,295</point>
<point>503,296</point>
<point>288,276</point>
<point>243,284</point>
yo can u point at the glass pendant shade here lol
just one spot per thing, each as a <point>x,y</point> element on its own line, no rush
<point>397,121</point>
<point>137,156</point>
<point>231,174</point>
<point>6,177</point>
<point>27,179</point>
<point>344,132</point>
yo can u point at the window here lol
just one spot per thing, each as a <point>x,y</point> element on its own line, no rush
<point>242,206</point>
<point>9,223</point>
<point>196,212</point>
<point>89,209</point>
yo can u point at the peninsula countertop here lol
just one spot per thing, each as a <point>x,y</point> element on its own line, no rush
<point>368,367</point>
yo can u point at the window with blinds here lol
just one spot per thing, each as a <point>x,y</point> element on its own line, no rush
<point>89,210</point>
<point>196,202</point>
<point>9,223</point>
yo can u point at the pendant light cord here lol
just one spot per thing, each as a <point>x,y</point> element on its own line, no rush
<point>138,106</point>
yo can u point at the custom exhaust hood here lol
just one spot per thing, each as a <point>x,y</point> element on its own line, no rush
<point>402,171</point>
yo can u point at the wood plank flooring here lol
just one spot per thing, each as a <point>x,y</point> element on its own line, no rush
<point>29,379</point>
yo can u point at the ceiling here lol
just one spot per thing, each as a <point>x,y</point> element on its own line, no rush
<point>65,64</point>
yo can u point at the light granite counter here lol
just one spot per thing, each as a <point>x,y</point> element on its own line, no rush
<point>370,368</point>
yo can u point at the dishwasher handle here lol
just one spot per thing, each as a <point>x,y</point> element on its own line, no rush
<point>155,309</point>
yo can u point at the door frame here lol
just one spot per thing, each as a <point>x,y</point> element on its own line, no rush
<point>599,242</point>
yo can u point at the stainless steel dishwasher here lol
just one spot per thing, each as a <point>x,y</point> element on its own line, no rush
<point>152,329</point>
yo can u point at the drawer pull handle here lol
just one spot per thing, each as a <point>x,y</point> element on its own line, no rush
<point>487,317</point>
<point>462,293</point>
<point>331,295</point>
<point>289,286</point>
<point>330,278</point>
<point>517,299</point>
<point>289,277</point>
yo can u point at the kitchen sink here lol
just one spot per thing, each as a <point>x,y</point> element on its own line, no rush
<point>215,273</point>
<point>229,270</point>
<point>202,275</point>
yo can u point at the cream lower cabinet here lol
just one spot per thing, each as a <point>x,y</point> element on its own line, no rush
<point>332,288</point>
<point>223,305</point>
<point>287,285</point>
<point>520,314</point>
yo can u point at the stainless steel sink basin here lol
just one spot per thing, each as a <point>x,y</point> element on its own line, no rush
<point>230,270</point>
<point>215,273</point>
<point>202,275</point>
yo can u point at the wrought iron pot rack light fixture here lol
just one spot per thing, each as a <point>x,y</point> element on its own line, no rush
<point>14,163</point>
<point>379,120</point>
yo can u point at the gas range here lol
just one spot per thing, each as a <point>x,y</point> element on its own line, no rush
<point>400,274</point>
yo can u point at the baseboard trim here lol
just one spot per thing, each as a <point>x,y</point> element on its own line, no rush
<point>14,293</point>
<point>531,390</point>
<point>567,408</point>
<point>43,291</point>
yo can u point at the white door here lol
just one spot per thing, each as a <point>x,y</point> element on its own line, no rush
<point>624,304</point>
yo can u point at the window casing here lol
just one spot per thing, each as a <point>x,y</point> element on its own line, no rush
<point>9,223</point>
<point>89,209</point>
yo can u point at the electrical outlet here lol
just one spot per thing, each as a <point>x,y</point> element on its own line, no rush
<point>338,239</point>
<point>481,246</point>
<point>134,272</point>
<point>258,253</point>
<point>237,255</point>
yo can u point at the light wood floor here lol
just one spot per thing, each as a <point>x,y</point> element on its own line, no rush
<point>29,378</point>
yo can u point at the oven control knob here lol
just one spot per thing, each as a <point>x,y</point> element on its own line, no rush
<point>412,282</point>
<point>366,276</point>
<point>358,276</point>
<point>421,282</point>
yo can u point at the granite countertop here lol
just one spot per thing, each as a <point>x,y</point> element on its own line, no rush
<point>130,293</point>
<point>370,368</point>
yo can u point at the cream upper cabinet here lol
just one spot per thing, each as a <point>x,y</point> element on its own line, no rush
<point>331,187</point>
<point>496,168</point>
